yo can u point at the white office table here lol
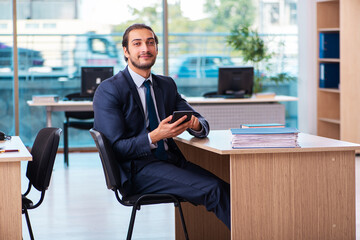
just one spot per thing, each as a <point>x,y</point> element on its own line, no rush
<point>62,106</point>
<point>221,113</point>
<point>10,188</point>
<point>276,193</point>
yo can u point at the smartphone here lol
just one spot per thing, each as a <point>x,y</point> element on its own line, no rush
<point>178,114</point>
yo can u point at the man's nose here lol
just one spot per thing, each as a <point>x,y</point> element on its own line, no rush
<point>144,47</point>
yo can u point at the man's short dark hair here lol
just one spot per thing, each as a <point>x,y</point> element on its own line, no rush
<point>125,41</point>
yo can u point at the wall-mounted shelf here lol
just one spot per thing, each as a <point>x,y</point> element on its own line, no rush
<point>330,90</point>
<point>329,120</point>
<point>329,60</point>
<point>329,30</point>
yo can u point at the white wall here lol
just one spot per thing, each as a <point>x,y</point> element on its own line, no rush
<point>307,82</point>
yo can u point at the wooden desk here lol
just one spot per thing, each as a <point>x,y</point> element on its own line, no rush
<point>281,194</point>
<point>10,188</point>
<point>233,111</point>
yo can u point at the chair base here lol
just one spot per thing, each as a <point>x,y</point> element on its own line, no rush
<point>151,199</point>
<point>28,224</point>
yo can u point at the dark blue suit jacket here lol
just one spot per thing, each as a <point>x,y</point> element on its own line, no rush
<point>119,115</point>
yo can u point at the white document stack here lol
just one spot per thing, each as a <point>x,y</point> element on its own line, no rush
<point>264,137</point>
<point>45,98</point>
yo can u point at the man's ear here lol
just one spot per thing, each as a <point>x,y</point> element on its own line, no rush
<point>126,53</point>
<point>157,49</point>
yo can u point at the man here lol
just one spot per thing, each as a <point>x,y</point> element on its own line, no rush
<point>133,109</point>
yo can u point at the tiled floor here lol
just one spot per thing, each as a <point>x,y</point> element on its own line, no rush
<point>78,206</point>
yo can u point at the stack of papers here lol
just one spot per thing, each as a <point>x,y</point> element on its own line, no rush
<point>45,98</point>
<point>264,137</point>
<point>265,95</point>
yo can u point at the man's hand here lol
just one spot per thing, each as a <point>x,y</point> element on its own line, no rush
<point>195,124</point>
<point>169,130</point>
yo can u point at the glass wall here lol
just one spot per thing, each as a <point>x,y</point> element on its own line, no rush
<point>56,38</point>
<point>7,122</point>
<point>200,33</point>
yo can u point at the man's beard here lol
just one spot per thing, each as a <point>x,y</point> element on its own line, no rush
<point>144,66</point>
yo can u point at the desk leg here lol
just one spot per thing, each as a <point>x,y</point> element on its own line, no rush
<point>48,116</point>
<point>286,196</point>
<point>201,224</point>
<point>10,200</point>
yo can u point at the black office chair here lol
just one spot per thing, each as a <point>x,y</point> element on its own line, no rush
<point>40,168</point>
<point>78,120</point>
<point>113,182</point>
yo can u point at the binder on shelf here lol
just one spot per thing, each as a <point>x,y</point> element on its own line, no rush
<point>329,45</point>
<point>329,75</point>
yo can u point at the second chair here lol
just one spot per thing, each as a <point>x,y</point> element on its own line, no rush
<point>78,120</point>
<point>39,170</point>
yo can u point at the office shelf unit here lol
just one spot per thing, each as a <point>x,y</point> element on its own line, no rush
<point>328,99</point>
<point>338,114</point>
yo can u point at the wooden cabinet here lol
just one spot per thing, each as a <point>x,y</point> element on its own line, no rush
<point>338,108</point>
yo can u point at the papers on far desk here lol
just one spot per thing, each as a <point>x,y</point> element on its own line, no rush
<point>45,98</point>
<point>264,137</point>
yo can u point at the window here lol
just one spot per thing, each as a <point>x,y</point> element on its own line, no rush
<point>32,25</point>
<point>86,32</point>
<point>3,25</point>
<point>7,115</point>
<point>49,25</point>
<point>274,13</point>
<point>293,13</point>
<point>79,33</point>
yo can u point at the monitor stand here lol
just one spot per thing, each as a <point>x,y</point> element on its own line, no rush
<point>210,95</point>
<point>233,94</point>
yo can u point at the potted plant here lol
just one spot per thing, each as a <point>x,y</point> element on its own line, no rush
<point>253,49</point>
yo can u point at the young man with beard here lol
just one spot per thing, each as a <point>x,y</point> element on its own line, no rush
<point>133,109</point>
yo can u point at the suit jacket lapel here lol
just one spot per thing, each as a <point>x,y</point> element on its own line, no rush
<point>133,90</point>
<point>159,98</point>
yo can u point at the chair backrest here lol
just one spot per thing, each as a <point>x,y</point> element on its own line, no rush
<point>78,115</point>
<point>43,152</point>
<point>108,160</point>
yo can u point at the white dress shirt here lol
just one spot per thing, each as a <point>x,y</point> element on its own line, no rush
<point>139,82</point>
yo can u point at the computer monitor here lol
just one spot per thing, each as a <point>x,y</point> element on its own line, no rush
<point>91,77</point>
<point>236,81</point>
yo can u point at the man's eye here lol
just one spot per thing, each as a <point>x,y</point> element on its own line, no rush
<point>136,43</point>
<point>151,43</point>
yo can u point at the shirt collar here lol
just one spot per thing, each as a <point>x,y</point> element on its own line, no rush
<point>138,79</point>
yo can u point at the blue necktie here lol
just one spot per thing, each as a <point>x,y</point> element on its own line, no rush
<point>160,152</point>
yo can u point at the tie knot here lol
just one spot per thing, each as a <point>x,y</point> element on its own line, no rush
<point>147,83</point>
